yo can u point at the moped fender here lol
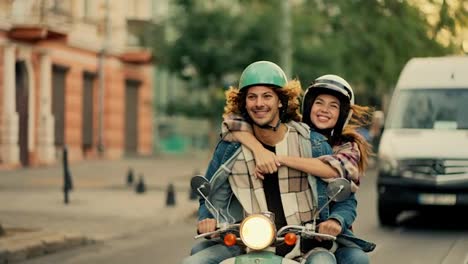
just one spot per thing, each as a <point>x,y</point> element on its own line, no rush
<point>260,257</point>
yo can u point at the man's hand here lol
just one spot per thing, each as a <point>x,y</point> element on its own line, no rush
<point>266,162</point>
<point>330,227</point>
<point>207,225</point>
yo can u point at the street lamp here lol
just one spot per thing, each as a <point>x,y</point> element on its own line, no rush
<point>102,57</point>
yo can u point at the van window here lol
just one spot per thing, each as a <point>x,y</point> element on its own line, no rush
<point>430,109</point>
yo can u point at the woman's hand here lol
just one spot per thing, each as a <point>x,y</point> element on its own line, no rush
<point>266,162</point>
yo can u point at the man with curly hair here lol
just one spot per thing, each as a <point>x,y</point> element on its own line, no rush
<point>270,104</point>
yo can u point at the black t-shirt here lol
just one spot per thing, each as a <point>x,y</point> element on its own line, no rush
<point>273,199</point>
<point>273,195</point>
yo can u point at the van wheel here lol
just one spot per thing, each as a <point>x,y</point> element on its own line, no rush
<point>387,214</point>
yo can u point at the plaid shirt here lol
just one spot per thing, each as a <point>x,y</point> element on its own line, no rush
<point>344,159</point>
<point>296,195</point>
<point>233,123</point>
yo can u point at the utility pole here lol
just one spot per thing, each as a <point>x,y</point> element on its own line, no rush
<point>285,37</point>
<point>101,66</point>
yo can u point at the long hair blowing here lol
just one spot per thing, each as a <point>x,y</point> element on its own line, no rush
<point>289,96</point>
<point>361,118</point>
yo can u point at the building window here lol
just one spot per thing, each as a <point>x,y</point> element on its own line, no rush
<point>60,6</point>
<point>86,9</point>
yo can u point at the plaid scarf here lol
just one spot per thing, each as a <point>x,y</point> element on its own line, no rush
<point>295,191</point>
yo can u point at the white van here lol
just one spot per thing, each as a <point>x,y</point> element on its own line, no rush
<point>423,152</point>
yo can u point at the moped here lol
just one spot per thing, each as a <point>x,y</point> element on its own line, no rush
<point>258,234</point>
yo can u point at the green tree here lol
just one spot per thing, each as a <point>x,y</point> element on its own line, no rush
<point>452,16</point>
<point>215,42</point>
<point>367,42</point>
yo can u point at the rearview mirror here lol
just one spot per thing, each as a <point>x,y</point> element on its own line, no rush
<point>339,189</point>
<point>200,185</point>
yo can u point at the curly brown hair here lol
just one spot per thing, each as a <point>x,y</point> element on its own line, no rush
<point>289,95</point>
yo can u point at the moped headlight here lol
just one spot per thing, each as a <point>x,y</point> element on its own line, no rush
<point>257,231</point>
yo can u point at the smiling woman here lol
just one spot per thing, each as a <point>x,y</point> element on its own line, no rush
<point>325,111</point>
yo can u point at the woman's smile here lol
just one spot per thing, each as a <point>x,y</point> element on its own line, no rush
<point>325,111</point>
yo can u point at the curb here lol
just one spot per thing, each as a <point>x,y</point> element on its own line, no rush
<point>27,245</point>
<point>21,244</point>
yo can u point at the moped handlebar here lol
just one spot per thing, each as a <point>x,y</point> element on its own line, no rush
<point>307,231</point>
<point>224,229</point>
<point>304,231</point>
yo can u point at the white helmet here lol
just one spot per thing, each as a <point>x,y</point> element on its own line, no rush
<point>336,86</point>
<point>334,83</point>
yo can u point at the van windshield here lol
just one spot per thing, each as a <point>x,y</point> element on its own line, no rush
<point>430,109</point>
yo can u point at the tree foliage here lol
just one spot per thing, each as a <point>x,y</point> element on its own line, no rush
<point>218,40</point>
<point>206,44</point>
<point>365,41</point>
<point>452,16</point>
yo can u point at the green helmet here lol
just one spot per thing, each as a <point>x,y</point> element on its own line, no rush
<point>262,73</point>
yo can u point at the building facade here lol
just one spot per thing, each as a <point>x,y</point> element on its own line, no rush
<point>73,75</point>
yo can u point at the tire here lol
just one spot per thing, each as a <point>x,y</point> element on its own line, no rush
<point>387,214</point>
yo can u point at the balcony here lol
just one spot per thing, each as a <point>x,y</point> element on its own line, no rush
<point>136,55</point>
<point>37,22</point>
<point>135,51</point>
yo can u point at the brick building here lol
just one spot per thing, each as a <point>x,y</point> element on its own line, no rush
<point>72,74</point>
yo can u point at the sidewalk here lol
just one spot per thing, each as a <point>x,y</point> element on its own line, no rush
<point>101,206</point>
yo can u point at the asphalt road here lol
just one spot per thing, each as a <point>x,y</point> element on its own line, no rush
<point>169,244</point>
<point>435,238</point>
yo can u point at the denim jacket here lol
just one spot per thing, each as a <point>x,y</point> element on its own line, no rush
<point>223,199</point>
